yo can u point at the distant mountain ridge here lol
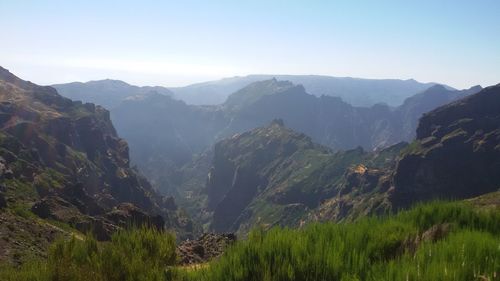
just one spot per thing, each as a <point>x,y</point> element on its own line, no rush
<point>355,91</point>
<point>107,93</point>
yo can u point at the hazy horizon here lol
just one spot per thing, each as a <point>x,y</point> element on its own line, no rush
<point>175,44</point>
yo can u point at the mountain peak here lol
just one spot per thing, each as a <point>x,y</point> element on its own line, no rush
<point>256,90</point>
<point>8,77</point>
<point>475,88</point>
<point>278,122</point>
<point>436,88</point>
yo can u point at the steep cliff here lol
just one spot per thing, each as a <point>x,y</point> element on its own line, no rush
<point>456,154</point>
<point>63,161</point>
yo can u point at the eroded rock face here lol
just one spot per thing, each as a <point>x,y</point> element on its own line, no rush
<point>457,152</point>
<point>64,160</point>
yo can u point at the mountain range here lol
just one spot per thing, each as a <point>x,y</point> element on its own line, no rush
<point>355,91</point>
<point>270,155</point>
<point>165,133</point>
<point>272,175</point>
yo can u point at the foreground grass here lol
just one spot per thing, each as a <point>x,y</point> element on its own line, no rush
<point>370,249</point>
<point>393,248</point>
<point>137,254</point>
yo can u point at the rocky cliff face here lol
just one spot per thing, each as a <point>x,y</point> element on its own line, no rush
<point>456,154</point>
<point>63,161</point>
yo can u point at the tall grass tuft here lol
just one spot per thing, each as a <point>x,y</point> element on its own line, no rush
<point>134,254</point>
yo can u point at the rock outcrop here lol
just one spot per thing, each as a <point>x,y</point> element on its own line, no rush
<point>456,154</point>
<point>208,246</point>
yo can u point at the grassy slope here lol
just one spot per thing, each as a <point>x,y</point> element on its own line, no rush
<point>399,247</point>
<point>392,248</point>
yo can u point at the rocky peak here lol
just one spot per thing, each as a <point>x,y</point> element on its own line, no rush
<point>483,105</point>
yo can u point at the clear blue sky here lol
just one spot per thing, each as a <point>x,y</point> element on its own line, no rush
<point>179,42</point>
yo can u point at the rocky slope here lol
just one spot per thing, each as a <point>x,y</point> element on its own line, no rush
<point>63,169</point>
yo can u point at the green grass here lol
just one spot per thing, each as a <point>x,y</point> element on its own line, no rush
<point>137,254</point>
<point>375,248</point>
<point>22,211</point>
<point>412,148</point>
<point>369,249</point>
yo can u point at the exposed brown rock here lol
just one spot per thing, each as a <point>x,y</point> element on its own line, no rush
<point>126,214</point>
<point>205,248</point>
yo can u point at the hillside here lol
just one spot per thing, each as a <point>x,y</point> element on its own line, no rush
<point>438,241</point>
<point>457,151</point>
<point>63,170</point>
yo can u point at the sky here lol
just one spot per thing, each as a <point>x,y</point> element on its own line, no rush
<point>175,43</point>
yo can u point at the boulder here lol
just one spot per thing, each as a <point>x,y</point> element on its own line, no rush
<point>205,248</point>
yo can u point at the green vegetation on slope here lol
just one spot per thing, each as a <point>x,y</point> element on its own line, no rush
<point>137,254</point>
<point>436,241</point>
